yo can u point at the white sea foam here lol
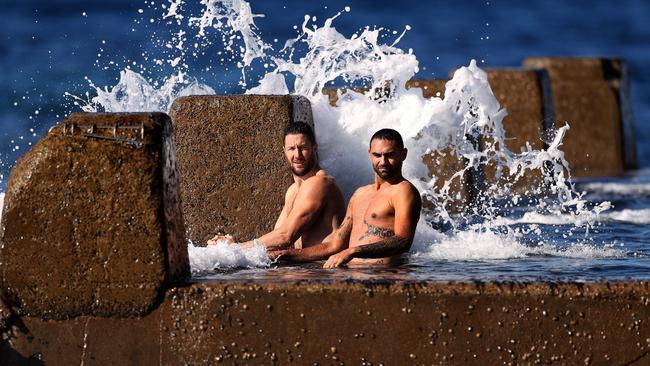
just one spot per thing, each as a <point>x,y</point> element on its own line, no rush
<point>321,56</point>
<point>135,93</point>
<point>633,189</point>
<point>630,216</point>
<point>487,245</point>
<point>226,256</point>
<point>638,217</point>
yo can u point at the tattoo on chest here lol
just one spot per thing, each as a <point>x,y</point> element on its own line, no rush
<point>376,231</point>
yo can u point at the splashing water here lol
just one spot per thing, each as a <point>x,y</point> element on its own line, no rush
<point>226,256</point>
<point>375,76</point>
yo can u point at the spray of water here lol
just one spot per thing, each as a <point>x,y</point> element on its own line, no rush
<point>375,76</point>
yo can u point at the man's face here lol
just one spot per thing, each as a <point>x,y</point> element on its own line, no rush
<point>300,153</point>
<point>386,158</point>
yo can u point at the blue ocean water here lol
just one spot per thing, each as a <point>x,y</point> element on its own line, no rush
<point>48,48</point>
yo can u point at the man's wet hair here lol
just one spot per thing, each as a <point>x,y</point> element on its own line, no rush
<point>390,135</point>
<point>296,128</point>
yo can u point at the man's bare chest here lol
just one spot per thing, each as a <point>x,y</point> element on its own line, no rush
<point>374,208</point>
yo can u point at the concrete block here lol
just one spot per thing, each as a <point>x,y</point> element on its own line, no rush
<point>307,322</point>
<point>526,95</point>
<point>430,88</point>
<point>93,209</point>
<point>233,172</point>
<point>134,341</point>
<point>85,340</point>
<point>589,94</point>
<point>443,164</point>
<point>478,323</point>
<point>33,341</point>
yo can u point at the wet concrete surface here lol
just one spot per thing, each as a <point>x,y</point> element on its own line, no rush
<point>586,96</point>
<point>521,93</point>
<point>91,222</point>
<point>321,323</point>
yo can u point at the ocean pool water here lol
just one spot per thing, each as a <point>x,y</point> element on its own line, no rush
<point>67,42</point>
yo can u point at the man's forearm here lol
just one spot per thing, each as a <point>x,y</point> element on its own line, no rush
<point>314,253</point>
<point>277,239</point>
<point>385,248</point>
<point>250,243</point>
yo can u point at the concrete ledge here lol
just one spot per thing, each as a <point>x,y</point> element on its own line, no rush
<point>335,323</point>
<point>91,223</point>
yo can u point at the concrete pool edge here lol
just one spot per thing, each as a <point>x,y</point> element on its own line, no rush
<point>352,322</point>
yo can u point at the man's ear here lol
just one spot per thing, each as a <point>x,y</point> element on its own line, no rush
<point>404,153</point>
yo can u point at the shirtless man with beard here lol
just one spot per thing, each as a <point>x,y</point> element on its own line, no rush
<point>313,204</point>
<point>381,217</point>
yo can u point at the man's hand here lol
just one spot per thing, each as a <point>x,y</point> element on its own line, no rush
<point>275,255</point>
<point>339,259</point>
<point>227,238</point>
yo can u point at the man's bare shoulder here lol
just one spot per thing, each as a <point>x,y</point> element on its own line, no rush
<point>407,186</point>
<point>363,191</point>
<point>405,190</point>
<point>293,188</point>
<point>321,180</point>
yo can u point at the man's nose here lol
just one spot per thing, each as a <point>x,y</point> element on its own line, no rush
<point>383,159</point>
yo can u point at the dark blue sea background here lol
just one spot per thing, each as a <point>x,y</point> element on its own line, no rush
<point>50,47</point>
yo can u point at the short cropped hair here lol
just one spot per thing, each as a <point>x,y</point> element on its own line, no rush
<point>390,135</point>
<point>296,128</point>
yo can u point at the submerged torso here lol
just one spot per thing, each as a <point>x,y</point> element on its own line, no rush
<point>373,218</point>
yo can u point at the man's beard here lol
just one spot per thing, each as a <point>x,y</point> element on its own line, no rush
<point>308,166</point>
<point>387,173</point>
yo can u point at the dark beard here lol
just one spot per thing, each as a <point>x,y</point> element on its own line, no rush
<point>309,165</point>
<point>386,174</point>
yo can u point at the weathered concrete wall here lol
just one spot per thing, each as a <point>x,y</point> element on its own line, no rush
<point>525,94</point>
<point>344,323</point>
<point>233,173</point>
<point>91,221</point>
<point>590,94</point>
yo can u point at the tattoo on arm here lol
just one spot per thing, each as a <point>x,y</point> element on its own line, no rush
<point>385,248</point>
<point>376,231</point>
<point>345,229</point>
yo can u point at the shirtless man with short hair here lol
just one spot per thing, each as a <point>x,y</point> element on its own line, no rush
<point>313,204</point>
<point>381,218</point>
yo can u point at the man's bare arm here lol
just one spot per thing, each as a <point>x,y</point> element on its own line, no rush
<point>321,251</point>
<point>385,248</point>
<point>407,214</point>
<point>307,206</point>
